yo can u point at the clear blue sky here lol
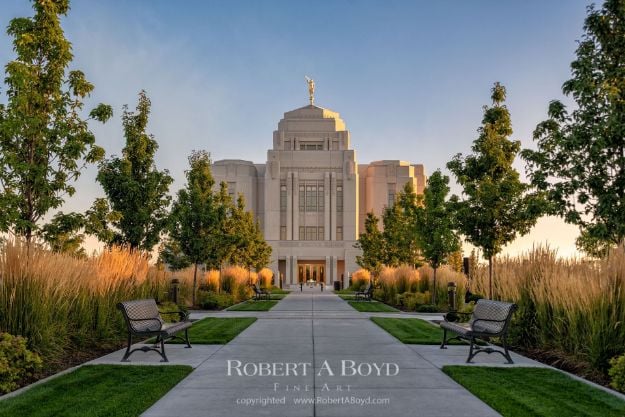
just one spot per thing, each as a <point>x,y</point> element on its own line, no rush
<point>408,77</point>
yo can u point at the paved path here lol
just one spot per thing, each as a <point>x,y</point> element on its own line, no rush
<point>321,331</point>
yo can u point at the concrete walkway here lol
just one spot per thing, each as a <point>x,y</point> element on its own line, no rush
<point>321,334</point>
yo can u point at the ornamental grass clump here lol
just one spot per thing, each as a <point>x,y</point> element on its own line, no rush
<point>60,303</point>
<point>574,308</point>
<point>360,279</point>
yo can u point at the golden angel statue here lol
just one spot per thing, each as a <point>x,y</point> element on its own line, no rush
<point>311,89</point>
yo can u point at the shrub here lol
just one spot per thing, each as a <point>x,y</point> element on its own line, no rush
<point>213,301</point>
<point>410,302</point>
<point>168,307</point>
<point>428,308</point>
<point>16,362</point>
<point>617,373</point>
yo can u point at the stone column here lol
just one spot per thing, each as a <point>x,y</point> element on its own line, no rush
<point>295,213</point>
<point>328,277</point>
<point>335,276</point>
<point>289,207</point>
<point>287,270</point>
<point>276,272</point>
<point>294,269</point>
<point>326,209</point>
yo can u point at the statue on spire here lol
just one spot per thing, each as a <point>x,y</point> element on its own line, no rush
<point>311,89</point>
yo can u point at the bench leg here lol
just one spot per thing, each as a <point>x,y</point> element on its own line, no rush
<point>162,352</point>
<point>186,337</point>
<point>444,339</point>
<point>471,353</point>
<point>127,354</point>
<point>505,348</point>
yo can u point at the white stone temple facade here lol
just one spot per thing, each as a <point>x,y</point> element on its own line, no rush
<point>311,196</point>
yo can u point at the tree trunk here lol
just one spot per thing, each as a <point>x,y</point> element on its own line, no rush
<point>435,290</point>
<point>490,277</point>
<point>194,284</point>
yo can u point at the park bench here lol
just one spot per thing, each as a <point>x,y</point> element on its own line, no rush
<point>489,319</point>
<point>366,294</point>
<point>260,294</point>
<point>143,319</point>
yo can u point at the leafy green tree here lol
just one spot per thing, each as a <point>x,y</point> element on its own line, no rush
<point>400,242</point>
<point>195,222</point>
<point>580,160</point>
<point>249,246</point>
<point>63,235</point>
<point>371,242</point>
<point>135,189</point>
<point>99,220</point>
<point>261,252</point>
<point>435,232</point>
<point>44,142</point>
<point>496,204</point>
<point>171,254</point>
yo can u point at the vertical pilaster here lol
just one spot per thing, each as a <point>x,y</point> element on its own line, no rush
<point>326,209</point>
<point>289,207</point>
<point>295,214</point>
<point>333,214</point>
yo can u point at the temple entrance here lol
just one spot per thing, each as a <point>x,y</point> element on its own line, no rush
<point>311,272</point>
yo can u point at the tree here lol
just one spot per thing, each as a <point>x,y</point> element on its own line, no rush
<point>62,234</point>
<point>435,232</point>
<point>44,142</point>
<point>496,205</point>
<point>371,242</point>
<point>136,190</point>
<point>195,222</point>
<point>580,160</point>
<point>399,233</point>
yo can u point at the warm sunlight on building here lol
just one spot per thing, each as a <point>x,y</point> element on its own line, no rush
<point>312,196</point>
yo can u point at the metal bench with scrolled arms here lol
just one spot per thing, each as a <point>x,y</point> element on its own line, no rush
<point>143,319</point>
<point>259,293</point>
<point>489,319</point>
<point>366,294</point>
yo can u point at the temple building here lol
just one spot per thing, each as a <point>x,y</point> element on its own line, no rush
<point>311,196</point>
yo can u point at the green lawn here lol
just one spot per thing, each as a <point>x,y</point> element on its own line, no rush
<point>412,331</point>
<point>97,390</point>
<point>535,392</point>
<point>276,290</point>
<point>217,330</point>
<point>278,295</point>
<point>372,306</point>
<point>346,296</point>
<point>253,305</point>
